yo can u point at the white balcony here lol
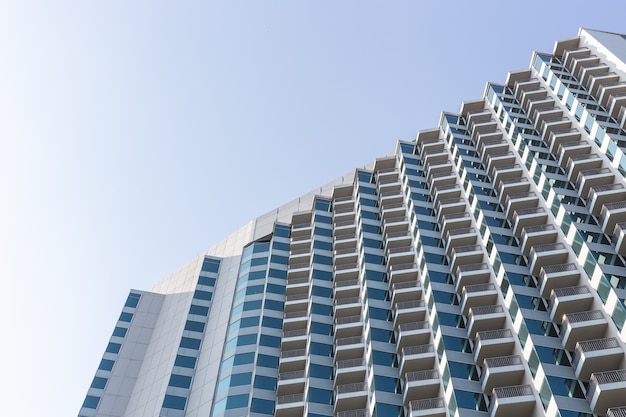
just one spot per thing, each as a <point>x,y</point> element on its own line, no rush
<point>459,237</point>
<point>349,347</point>
<point>400,255</point>
<point>294,339</point>
<point>610,89</point>
<point>520,201</point>
<point>409,311</point>
<point>500,158</point>
<point>346,272</point>
<point>450,206</point>
<point>485,318</point>
<point>345,227</point>
<point>291,382</point>
<point>537,235</point>
<point>411,334</point>
<point>345,256</point>
<point>406,291</point>
<point>290,405</point>
<point>513,185</point>
<point>348,326</point>
<point>503,172</point>
<point>478,295</point>
<point>517,400</point>
<point>526,217</point>
<point>584,325</point>
<point>569,300</point>
<point>596,356</point>
<point>455,221</point>
<point>492,146</point>
<point>493,343</point>
<point>446,192</point>
<point>549,254</point>
<point>399,239</point>
<point>603,194</point>
<point>558,137</point>
<point>596,177</point>
<point>417,358</point>
<point>502,371</point>
<point>465,255</point>
<point>351,396</point>
<point>606,390</point>
<point>348,306</point>
<point>611,214</point>
<point>557,276</point>
<point>292,360</point>
<point>348,371</point>
<point>344,241</point>
<point>573,148</point>
<point>298,270</point>
<point>430,407</point>
<point>391,197</point>
<point>618,238</point>
<point>471,274</point>
<point>578,163</point>
<point>395,224</point>
<point>444,176</point>
<point>420,385</point>
<point>395,210</point>
<point>552,125</point>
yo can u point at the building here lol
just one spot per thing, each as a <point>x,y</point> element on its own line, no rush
<point>477,271</point>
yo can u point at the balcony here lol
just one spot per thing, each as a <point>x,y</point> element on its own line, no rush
<point>395,224</point>
<point>346,272</point>
<point>345,227</point>
<point>398,239</point>
<point>520,201</point>
<point>517,400</point>
<point>420,384</point>
<point>569,149</point>
<point>500,158</point>
<point>513,185</point>
<point>443,176</point>
<point>471,274</point>
<point>294,339</point>
<point>616,412</point>
<point>544,255</point>
<point>351,396</point>
<point>485,318</point>
<point>569,300</point>
<point>432,145</point>
<point>479,128</point>
<point>446,192</point>
<point>347,288</point>
<point>617,103</point>
<point>395,210</point>
<point>547,113</point>
<point>406,291</point>
<point>291,405</point>
<point>354,413</point>
<point>618,238</point>
<point>493,343</point>
<point>596,356</point>
<point>348,371</point>
<point>297,301</point>
<point>578,163</point>
<point>537,105</point>
<point>417,358</point>
<point>611,214</point>
<point>409,311</point>
<point>492,146</point>
<point>460,237</point>
<point>349,306</point>
<point>593,178</point>
<point>400,255</point>
<point>606,390</point>
<point>349,347</point>
<point>450,206</point>
<point>557,276</point>
<point>490,136</point>
<point>301,230</point>
<point>298,270</point>
<point>349,326</point>
<point>345,256</point>
<point>456,221</point>
<point>503,172</point>
<point>344,202</point>
<point>300,256</point>
<point>411,334</point>
<point>603,194</point>
<point>291,382</point>
<point>292,360</point>
<point>295,320</point>
<point>610,89</point>
<point>430,407</point>
<point>533,216</point>
<point>391,197</point>
<point>558,137</point>
<point>585,325</point>
<point>502,371</point>
<point>477,116</point>
<point>344,241</point>
<point>537,235</point>
<point>478,295</point>
<point>343,215</point>
<point>551,125</point>
<point>465,255</point>
<point>403,273</point>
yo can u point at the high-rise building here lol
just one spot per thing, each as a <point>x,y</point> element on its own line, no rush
<point>477,271</point>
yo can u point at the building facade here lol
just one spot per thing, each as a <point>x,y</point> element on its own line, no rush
<point>476,271</point>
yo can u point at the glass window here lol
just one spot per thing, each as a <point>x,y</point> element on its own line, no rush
<point>267,361</point>
<point>457,344</point>
<point>320,396</point>
<point>320,371</point>
<point>271,341</point>
<point>274,305</point>
<point>321,349</point>
<point>382,335</point>
<point>206,281</point>
<point>322,275</point>
<point>388,410</point>
<point>321,291</point>
<point>470,400</point>
<point>132,300</point>
<point>237,401</point>
<point>210,265</point>
<point>277,273</point>
<point>249,322</point>
<point>189,343</point>
<point>262,406</point>
<point>202,295</point>
<point>565,387</point>
<point>174,402</point>
<point>91,402</point>
<point>106,364</point>
<point>113,347</point>
<point>180,381</point>
<point>321,328</point>
<point>321,309</point>
<point>194,326</point>
<point>127,317</point>
<point>264,382</point>
<point>252,305</point>
<point>380,314</point>
<point>275,289</point>
<point>384,358</point>
<point>120,332</point>
<point>98,382</point>
<point>387,384</point>
<point>463,370</point>
<point>199,310</point>
<point>185,361</point>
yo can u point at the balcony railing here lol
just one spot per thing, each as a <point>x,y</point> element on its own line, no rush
<point>294,333</point>
<point>291,398</point>
<point>296,297</point>
<point>427,404</point>
<point>417,350</point>
<point>482,310</point>
<point>347,283</point>
<point>348,388</point>
<point>350,363</point>
<point>295,314</point>
<point>294,353</point>
<point>417,325</point>
<point>494,334</point>
<point>291,375</point>
<point>422,375</point>
<point>479,287</point>
<point>354,413</point>
<point>583,316</point>
<point>602,378</point>
<point>349,340</point>
<point>410,304</point>
<point>407,284</point>
<point>347,320</point>
<point>501,361</point>
<point>347,300</point>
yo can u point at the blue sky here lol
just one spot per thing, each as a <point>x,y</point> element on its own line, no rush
<point>135,135</point>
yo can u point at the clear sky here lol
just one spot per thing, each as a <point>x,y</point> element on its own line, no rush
<point>136,134</point>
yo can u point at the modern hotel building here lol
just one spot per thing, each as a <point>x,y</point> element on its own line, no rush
<point>477,271</point>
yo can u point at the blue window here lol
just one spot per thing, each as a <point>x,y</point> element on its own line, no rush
<point>470,400</point>
<point>174,402</point>
<point>280,246</point>
<point>254,275</point>
<point>264,382</point>
<point>185,361</point>
<point>321,349</point>
<point>243,358</point>
<point>127,317</point>
<point>380,314</point>
<point>272,322</point>
<point>384,358</point>
<point>387,384</point>
<point>377,294</point>
<point>276,289</point>
<point>322,275</point>
<point>267,361</point>
<point>202,295</point>
<point>194,326</point>
<point>375,276</point>
<point>120,332</point>
<point>237,401</point>
<point>249,322</point>
<point>261,247</point>
<point>274,305</point>
<point>91,402</point>
<point>321,291</point>
<point>189,343</point>
<point>282,231</point>
<point>252,305</point>
<point>271,341</point>
<point>246,339</point>
<point>321,309</point>
<point>319,231</point>
<point>132,300</point>
<point>277,259</point>
<point>210,265</point>
<point>98,382</point>
<point>320,371</point>
<point>113,347</point>
<point>277,273</point>
<point>262,406</point>
<point>388,410</point>
<point>565,387</point>
<point>106,364</point>
<point>320,396</point>
<point>240,379</point>
<point>199,310</point>
<point>321,328</point>
<point>206,281</point>
<point>320,244</point>
<point>463,370</point>
<point>255,289</point>
<point>382,335</point>
<point>180,381</point>
<point>258,261</point>
<point>321,259</point>
<point>457,344</point>
<point>322,205</point>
